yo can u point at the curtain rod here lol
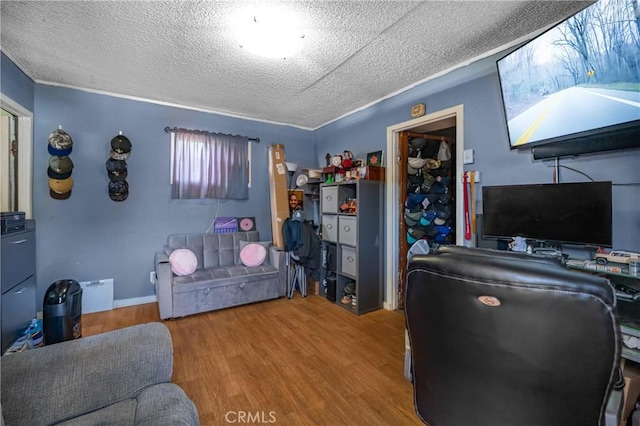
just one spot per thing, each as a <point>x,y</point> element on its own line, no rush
<point>204,132</point>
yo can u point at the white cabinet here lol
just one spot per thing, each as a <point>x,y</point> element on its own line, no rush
<point>352,244</point>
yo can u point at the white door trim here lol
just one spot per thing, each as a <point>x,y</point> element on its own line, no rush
<point>25,150</point>
<point>393,193</point>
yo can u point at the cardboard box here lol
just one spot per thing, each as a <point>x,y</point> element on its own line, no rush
<point>375,173</point>
<point>631,373</point>
<point>313,286</point>
<point>278,192</point>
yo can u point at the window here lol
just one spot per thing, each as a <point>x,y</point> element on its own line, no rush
<point>209,165</point>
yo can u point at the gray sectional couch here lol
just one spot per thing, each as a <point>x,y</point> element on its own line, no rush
<point>220,280</point>
<point>121,377</point>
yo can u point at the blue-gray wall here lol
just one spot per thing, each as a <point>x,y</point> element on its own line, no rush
<point>89,236</point>
<point>485,133</point>
<point>15,84</point>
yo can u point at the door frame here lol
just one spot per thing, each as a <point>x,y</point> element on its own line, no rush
<point>25,153</point>
<point>393,193</point>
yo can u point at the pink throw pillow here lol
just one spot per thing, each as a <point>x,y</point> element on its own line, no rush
<point>253,255</point>
<point>183,262</point>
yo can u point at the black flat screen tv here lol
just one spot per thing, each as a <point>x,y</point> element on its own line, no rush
<point>578,82</point>
<point>573,213</point>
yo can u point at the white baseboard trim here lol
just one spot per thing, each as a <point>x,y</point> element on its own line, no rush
<point>387,306</point>
<point>121,303</point>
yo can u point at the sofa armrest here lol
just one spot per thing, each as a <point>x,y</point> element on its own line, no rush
<point>164,291</point>
<point>277,258</point>
<point>69,379</point>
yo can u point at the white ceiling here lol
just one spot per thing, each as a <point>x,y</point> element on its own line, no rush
<point>186,53</point>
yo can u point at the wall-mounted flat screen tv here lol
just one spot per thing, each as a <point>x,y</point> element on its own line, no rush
<point>580,78</point>
<point>574,213</point>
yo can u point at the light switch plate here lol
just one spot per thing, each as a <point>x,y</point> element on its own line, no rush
<point>467,156</point>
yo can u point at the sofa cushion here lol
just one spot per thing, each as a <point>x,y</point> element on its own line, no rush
<point>212,277</point>
<point>221,250</point>
<point>183,262</point>
<point>165,404</point>
<point>121,413</point>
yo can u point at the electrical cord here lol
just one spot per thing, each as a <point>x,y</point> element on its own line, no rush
<point>577,171</point>
<point>592,180</point>
<point>215,216</point>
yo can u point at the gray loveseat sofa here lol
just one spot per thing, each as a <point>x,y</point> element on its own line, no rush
<point>220,280</point>
<point>121,377</point>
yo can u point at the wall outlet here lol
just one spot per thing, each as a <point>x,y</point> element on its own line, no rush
<point>467,156</point>
<point>152,277</point>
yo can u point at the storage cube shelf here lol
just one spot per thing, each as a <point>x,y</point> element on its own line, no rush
<point>352,242</point>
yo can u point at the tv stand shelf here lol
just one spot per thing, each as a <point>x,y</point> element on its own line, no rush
<point>617,273</point>
<point>627,287</point>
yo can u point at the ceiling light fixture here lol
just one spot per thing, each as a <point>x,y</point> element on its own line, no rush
<point>271,35</point>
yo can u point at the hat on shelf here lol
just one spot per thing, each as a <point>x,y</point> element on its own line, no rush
<point>60,164</point>
<point>414,164</point>
<point>412,218</point>
<point>432,164</point>
<point>121,144</point>
<point>59,139</point>
<point>427,182</point>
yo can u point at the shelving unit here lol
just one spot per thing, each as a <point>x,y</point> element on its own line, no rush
<point>352,242</point>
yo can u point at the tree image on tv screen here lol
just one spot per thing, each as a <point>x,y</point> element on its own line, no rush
<point>581,75</point>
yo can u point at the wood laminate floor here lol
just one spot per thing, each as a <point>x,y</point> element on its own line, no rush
<point>300,361</point>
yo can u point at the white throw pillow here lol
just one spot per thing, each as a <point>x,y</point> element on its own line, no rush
<point>253,254</point>
<point>183,262</point>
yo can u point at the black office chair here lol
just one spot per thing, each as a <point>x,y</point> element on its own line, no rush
<point>508,339</point>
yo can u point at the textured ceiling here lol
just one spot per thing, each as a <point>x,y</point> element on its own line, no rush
<point>186,53</point>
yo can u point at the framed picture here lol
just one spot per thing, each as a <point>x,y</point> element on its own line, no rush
<point>374,158</point>
<point>296,200</point>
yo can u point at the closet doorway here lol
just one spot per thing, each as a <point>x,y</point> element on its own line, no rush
<point>444,125</point>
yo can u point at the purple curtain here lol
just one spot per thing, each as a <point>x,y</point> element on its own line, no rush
<point>207,165</point>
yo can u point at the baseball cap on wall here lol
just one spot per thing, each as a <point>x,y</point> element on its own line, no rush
<point>59,152</point>
<point>118,190</point>
<point>61,186</point>
<point>59,139</point>
<point>124,156</point>
<point>55,175</point>
<point>121,144</point>
<point>60,164</point>
<point>116,169</point>
<point>57,196</point>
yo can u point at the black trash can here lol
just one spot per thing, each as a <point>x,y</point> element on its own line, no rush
<point>62,312</point>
